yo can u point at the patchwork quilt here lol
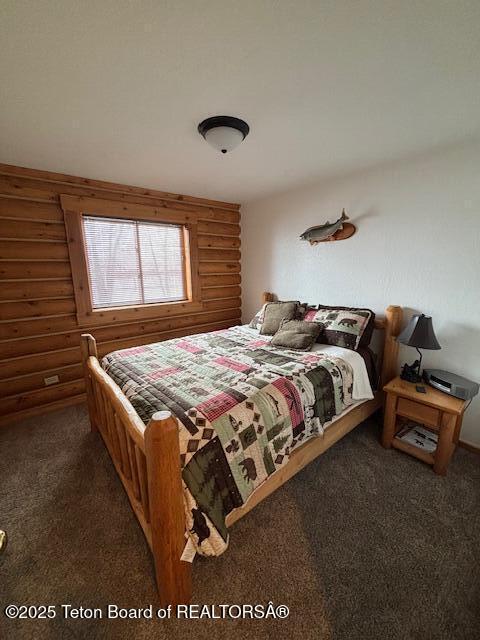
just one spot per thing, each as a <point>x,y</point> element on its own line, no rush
<point>242,407</point>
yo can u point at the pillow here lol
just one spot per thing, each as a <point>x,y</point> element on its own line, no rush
<point>302,309</point>
<point>273,315</point>
<point>296,334</point>
<point>257,320</point>
<point>347,327</point>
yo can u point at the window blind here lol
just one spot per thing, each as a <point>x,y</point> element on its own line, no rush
<point>133,262</point>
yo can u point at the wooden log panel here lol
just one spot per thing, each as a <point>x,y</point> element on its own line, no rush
<point>35,363</point>
<point>39,330</point>
<point>42,396</point>
<point>38,326</point>
<point>35,289</point>
<point>218,242</point>
<point>28,210</point>
<point>218,228</point>
<point>219,267</point>
<point>35,308</point>
<point>220,280</point>
<point>212,293</point>
<point>35,381</point>
<point>224,303</point>
<point>30,250</point>
<point>32,230</point>
<point>25,270</point>
<point>64,179</point>
<point>40,344</point>
<point>48,191</point>
<point>206,255</point>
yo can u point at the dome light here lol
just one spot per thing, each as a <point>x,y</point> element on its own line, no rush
<point>224,133</point>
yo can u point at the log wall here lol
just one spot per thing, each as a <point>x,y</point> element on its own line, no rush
<point>39,331</point>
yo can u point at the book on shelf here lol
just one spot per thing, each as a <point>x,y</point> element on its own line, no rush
<point>418,436</point>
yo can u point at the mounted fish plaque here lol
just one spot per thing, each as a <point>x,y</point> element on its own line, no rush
<point>339,230</point>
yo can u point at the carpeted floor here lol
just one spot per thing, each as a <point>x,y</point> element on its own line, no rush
<point>364,543</point>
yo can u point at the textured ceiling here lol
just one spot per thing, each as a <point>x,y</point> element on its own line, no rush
<point>114,89</point>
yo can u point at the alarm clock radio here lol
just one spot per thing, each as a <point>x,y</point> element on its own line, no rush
<point>451,383</point>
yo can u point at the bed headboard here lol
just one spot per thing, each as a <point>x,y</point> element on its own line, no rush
<point>390,323</point>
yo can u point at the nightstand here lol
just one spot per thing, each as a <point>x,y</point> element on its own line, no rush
<point>437,411</point>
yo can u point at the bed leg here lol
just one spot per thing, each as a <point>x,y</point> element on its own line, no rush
<point>88,347</point>
<point>167,516</point>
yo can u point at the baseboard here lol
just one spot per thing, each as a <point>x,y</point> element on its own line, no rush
<point>40,410</point>
<point>469,446</point>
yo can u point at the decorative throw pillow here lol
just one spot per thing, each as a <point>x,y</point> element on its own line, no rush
<point>273,315</point>
<point>302,309</point>
<point>257,320</point>
<point>347,327</point>
<point>296,334</point>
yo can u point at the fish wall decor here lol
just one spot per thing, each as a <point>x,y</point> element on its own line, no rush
<point>339,230</point>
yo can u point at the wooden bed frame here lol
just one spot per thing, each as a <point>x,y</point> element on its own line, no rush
<point>147,459</point>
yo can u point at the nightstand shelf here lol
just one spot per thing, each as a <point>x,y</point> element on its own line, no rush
<point>425,456</point>
<point>438,411</point>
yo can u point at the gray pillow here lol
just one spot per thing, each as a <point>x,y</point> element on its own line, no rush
<point>274,313</point>
<point>296,334</point>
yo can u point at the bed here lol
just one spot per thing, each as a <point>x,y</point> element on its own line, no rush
<point>201,429</point>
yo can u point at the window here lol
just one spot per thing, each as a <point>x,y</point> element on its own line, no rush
<point>134,262</point>
<point>131,261</point>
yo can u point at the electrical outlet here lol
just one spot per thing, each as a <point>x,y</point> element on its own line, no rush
<point>51,380</point>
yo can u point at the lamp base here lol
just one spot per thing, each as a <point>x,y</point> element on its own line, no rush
<point>411,372</point>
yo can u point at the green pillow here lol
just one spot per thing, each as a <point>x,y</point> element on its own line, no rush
<point>296,334</point>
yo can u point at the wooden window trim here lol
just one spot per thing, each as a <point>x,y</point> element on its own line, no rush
<point>74,207</point>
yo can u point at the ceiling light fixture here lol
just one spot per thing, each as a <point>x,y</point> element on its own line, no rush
<point>223,133</point>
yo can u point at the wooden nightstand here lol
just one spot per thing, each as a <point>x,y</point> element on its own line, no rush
<point>436,410</point>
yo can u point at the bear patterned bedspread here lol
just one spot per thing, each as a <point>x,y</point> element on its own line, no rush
<point>242,407</point>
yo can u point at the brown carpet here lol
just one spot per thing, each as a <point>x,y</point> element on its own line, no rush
<point>364,543</point>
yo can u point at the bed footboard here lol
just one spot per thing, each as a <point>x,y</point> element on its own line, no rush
<point>147,460</point>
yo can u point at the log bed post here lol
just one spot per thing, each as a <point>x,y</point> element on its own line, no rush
<point>88,347</point>
<point>167,515</point>
<point>393,324</point>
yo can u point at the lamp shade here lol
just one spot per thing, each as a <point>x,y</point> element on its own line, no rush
<point>224,139</point>
<point>419,333</point>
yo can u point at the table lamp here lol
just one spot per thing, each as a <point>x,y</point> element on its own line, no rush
<point>418,333</point>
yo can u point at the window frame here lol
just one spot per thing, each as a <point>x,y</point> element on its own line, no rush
<point>75,207</point>
<point>135,226</point>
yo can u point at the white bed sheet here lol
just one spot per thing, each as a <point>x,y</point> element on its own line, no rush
<point>362,389</point>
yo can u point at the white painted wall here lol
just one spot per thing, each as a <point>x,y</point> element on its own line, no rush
<point>417,245</point>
